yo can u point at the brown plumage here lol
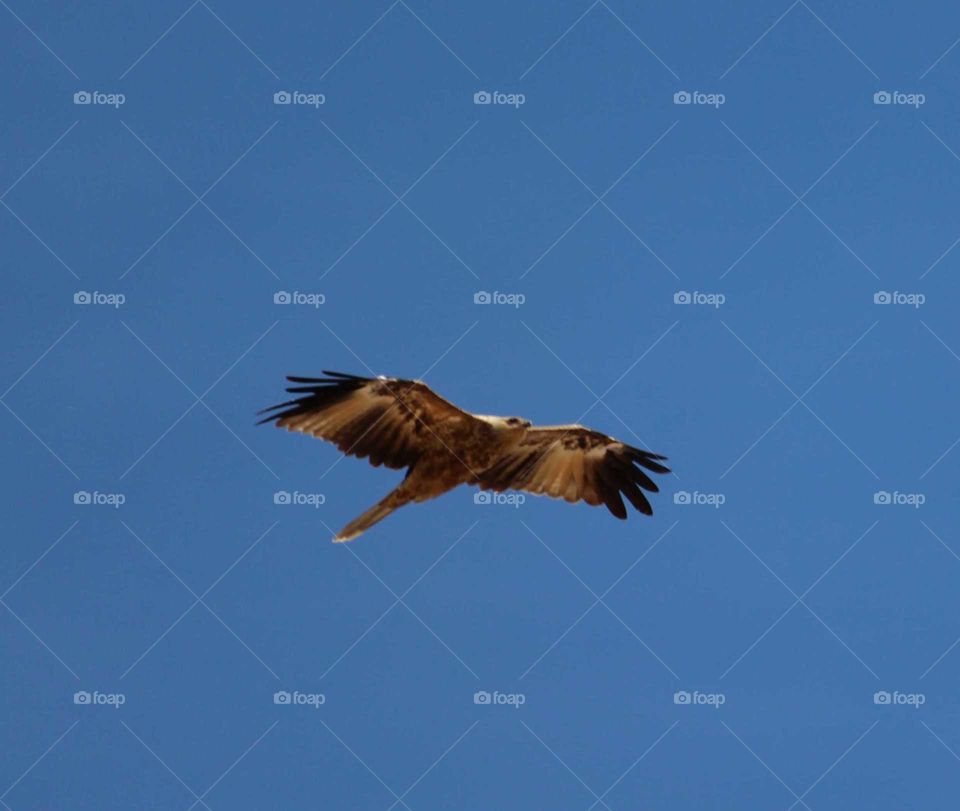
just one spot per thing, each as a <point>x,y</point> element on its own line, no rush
<point>404,424</point>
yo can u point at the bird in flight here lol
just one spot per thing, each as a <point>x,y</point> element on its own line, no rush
<point>405,424</point>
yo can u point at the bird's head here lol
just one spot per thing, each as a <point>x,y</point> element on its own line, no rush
<point>507,423</point>
<point>517,422</point>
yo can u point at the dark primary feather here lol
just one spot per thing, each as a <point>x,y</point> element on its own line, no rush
<point>394,422</point>
<point>387,420</point>
<point>323,392</point>
<point>577,464</point>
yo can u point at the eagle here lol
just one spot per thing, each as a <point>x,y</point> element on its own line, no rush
<point>405,424</point>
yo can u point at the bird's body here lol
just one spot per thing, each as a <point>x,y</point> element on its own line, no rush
<point>404,424</point>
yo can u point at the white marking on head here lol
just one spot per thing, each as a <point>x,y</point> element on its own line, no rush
<point>505,423</point>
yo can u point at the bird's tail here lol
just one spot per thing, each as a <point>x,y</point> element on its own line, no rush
<point>376,513</point>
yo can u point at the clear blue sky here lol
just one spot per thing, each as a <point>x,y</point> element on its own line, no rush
<point>788,401</point>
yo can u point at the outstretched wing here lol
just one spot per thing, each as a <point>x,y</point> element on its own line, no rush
<point>576,464</point>
<point>388,420</point>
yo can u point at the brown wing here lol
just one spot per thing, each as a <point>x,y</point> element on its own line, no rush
<point>391,421</point>
<point>576,464</point>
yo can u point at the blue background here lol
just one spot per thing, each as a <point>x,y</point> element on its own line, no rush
<point>796,400</point>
